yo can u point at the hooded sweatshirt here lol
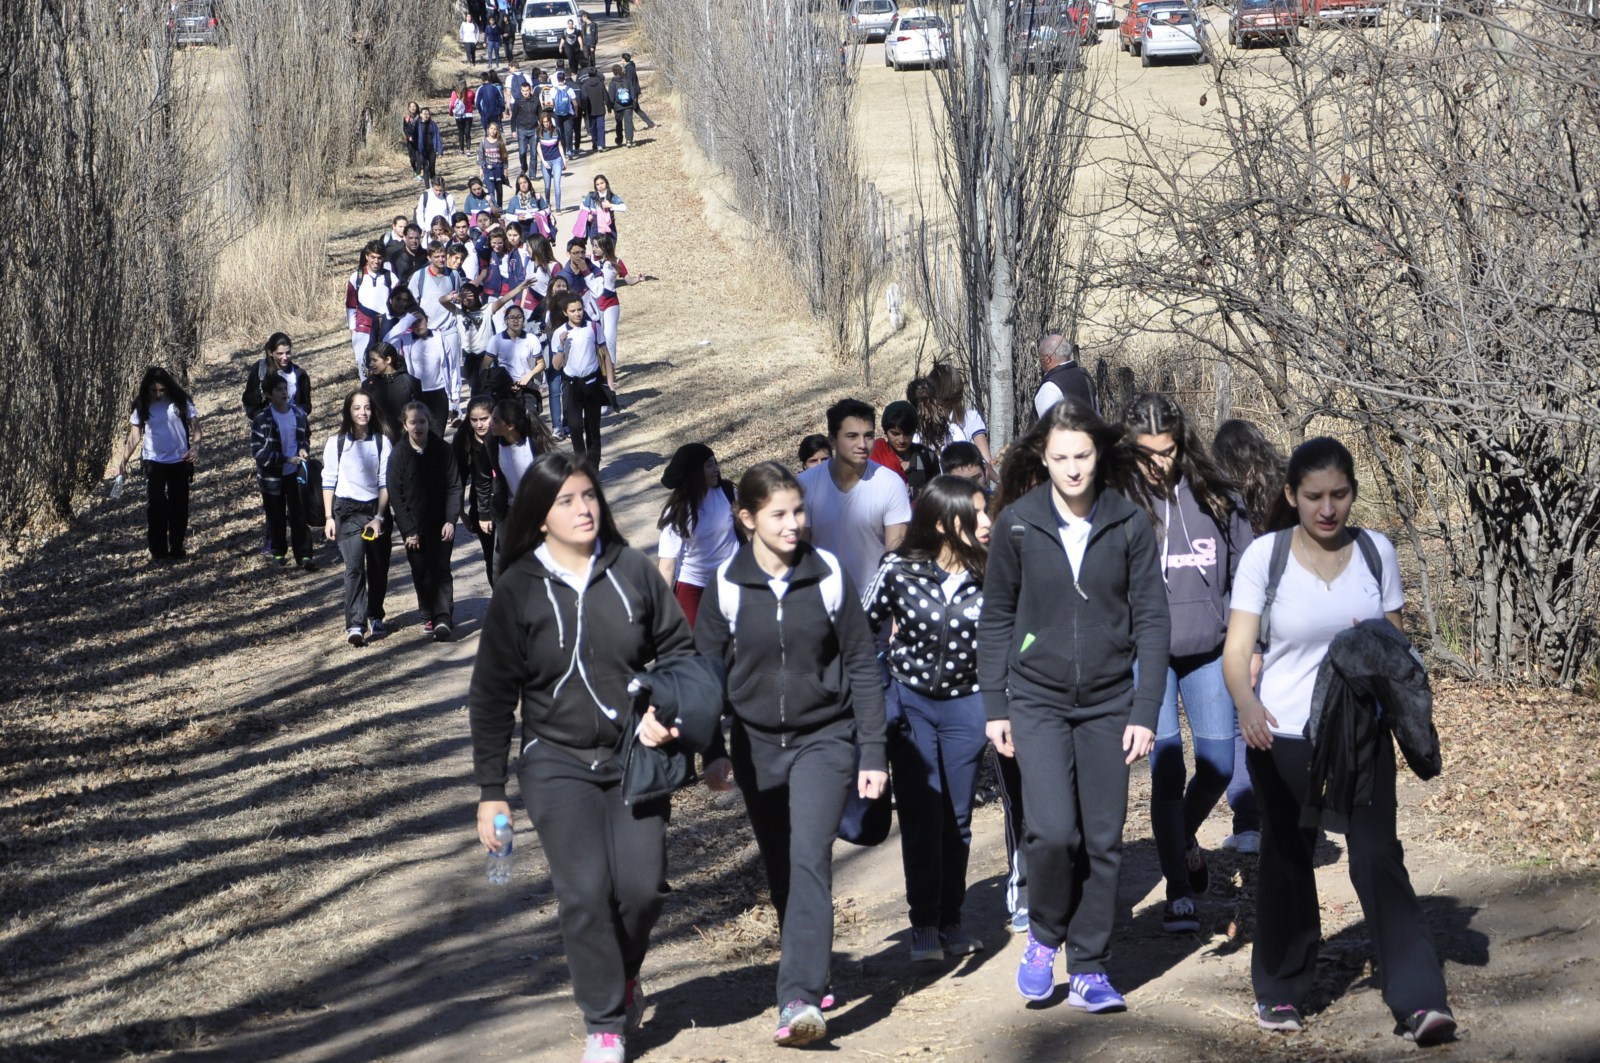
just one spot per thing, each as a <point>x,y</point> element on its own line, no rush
<point>1076,637</point>
<point>793,669</point>
<point>567,657</point>
<point>1198,562</point>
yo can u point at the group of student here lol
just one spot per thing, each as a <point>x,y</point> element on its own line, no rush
<point>1062,610</point>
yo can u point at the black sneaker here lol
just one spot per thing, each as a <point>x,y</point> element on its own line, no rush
<point>307,565</point>
<point>1430,1027</point>
<point>1180,917</point>
<point>441,631</point>
<point>1284,1018</point>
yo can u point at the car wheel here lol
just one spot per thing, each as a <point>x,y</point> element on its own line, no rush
<point>886,58</point>
<point>1138,50</point>
<point>1144,58</point>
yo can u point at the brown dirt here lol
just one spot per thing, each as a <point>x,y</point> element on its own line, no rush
<point>228,836</point>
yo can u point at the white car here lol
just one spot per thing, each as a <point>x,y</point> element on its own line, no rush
<point>917,37</point>
<point>871,19</point>
<point>1172,33</point>
<point>543,22</point>
<point>1105,13</point>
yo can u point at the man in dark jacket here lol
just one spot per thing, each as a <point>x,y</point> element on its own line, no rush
<point>525,121</point>
<point>596,102</point>
<point>407,256</point>
<point>425,494</point>
<point>1063,376</point>
<point>631,73</point>
<point>591,38</point>
<point>621,99</point>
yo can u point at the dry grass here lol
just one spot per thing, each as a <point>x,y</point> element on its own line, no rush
<point>272,277</point>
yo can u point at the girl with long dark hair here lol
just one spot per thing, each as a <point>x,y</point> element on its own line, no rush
<point>806,694</point>
<point>697,526</point>
<point>552,159</point>
<point>493,152</point>
<point>929,590</point>
<point>575,614</point>
<point>1202,532</point>
<point>355,495</point>
<point>410,128</point>
<point>390,386</point>
<point>613,275</point>
<point>522,439</point>
<point>943,414</point>
<point>164,426</point>
<point>1072,595</point>
<point>1328,581</point>
<point>474,449</point>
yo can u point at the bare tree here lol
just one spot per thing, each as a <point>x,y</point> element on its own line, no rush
<point>107,265</point>
<point>1013,101</point>
<point>1397,230</point>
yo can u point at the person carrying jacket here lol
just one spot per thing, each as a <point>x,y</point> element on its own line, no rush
<point>425,494</point>
<point>1324,584</point>
<point>1072,596</point>
<point>806,696</point>
<point>575,614</point>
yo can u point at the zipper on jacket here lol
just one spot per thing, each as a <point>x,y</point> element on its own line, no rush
<point>783,682</point>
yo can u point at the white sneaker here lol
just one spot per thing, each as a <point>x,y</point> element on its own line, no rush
<point>604,1048</point>
<point>355,636</point>
<point>1246,841</point>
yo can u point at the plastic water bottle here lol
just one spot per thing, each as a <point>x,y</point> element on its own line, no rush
<point>497,865</point>
<point>116,486</point>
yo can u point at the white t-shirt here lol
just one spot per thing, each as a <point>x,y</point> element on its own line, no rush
<point>583,352</point>
<point>425,360</point>
<point>515,355</point>
<point>1306,616</point>
<point>515,461</point>
<point>288,436</point>
<point>711,541</point>
<point>360,472</point>
<point>850,524</point>
<point>165,439</point>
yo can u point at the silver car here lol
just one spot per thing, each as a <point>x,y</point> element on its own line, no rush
<point>1172,33</point>
<point>870,19</point>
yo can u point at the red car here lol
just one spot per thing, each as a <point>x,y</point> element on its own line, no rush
<point>1272,21</point>
<point>1130,34</point>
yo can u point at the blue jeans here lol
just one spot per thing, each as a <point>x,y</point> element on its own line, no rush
<point>1176,812</point>
<point>557,381</point>
<point>935,755</point>
<point>552,181</point>
<point>527,147</point>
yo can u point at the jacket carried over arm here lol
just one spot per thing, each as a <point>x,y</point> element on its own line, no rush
<point>793,668</point>
<point>566,658</point>
<point>267,448</point>
<point>1370,684</point>
<point>1075,637</point>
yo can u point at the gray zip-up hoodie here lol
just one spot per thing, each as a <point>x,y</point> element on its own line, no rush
<point>1198,563</point>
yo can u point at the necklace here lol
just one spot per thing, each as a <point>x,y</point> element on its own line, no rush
<point>1320,571</point>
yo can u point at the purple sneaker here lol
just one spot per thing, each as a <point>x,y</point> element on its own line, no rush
<point>1036,974</point>
<point>1093,992</point>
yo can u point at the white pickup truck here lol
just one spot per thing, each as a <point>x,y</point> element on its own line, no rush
<point>543,22</point>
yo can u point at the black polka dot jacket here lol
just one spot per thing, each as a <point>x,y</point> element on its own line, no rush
<point>934,650</point>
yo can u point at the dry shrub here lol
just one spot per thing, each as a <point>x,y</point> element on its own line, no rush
<point>272,275</point>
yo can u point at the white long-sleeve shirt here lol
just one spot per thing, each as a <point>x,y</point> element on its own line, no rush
<point>360,472</point>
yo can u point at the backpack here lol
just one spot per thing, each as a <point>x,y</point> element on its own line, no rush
<point>1281,543</point>
<point>624,97</point>
<point>563,101</point>
<point>728,591</point>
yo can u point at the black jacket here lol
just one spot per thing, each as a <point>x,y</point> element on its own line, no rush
<point>475,465</point>
<point>687,694</point>
<point>1370,669</point>
<point>1077,638</point>
<point>255,401</point>
<point>595,98</point>
<point>792,668</point>
<point>631,72</point>
<point>525,113</point>
<point>934,650</point>
<point>567,659</point>
<point>404,263</point>
<point>424,489</point>
<point>390,394</point>
<point>267,448</point>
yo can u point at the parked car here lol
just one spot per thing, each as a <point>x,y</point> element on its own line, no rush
<point>1105,13</point>
<point>1273,21</point>
<point>194,22</point>
<point>543,22</point>
<point>1047,36</point>
<point>1130,32</point>
<point>1172,33</point>
<point>1360,12</point>
<point>918,36</point>
<point>870,19</point>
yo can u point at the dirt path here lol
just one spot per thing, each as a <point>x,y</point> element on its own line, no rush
<point>231,837</point>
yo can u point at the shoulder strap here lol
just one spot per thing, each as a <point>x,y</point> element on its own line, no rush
<point>338,454</point>
<point>728,596</point>
<point>1369,554</point>
<point>1281,541</point>
<point>832,585</point>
